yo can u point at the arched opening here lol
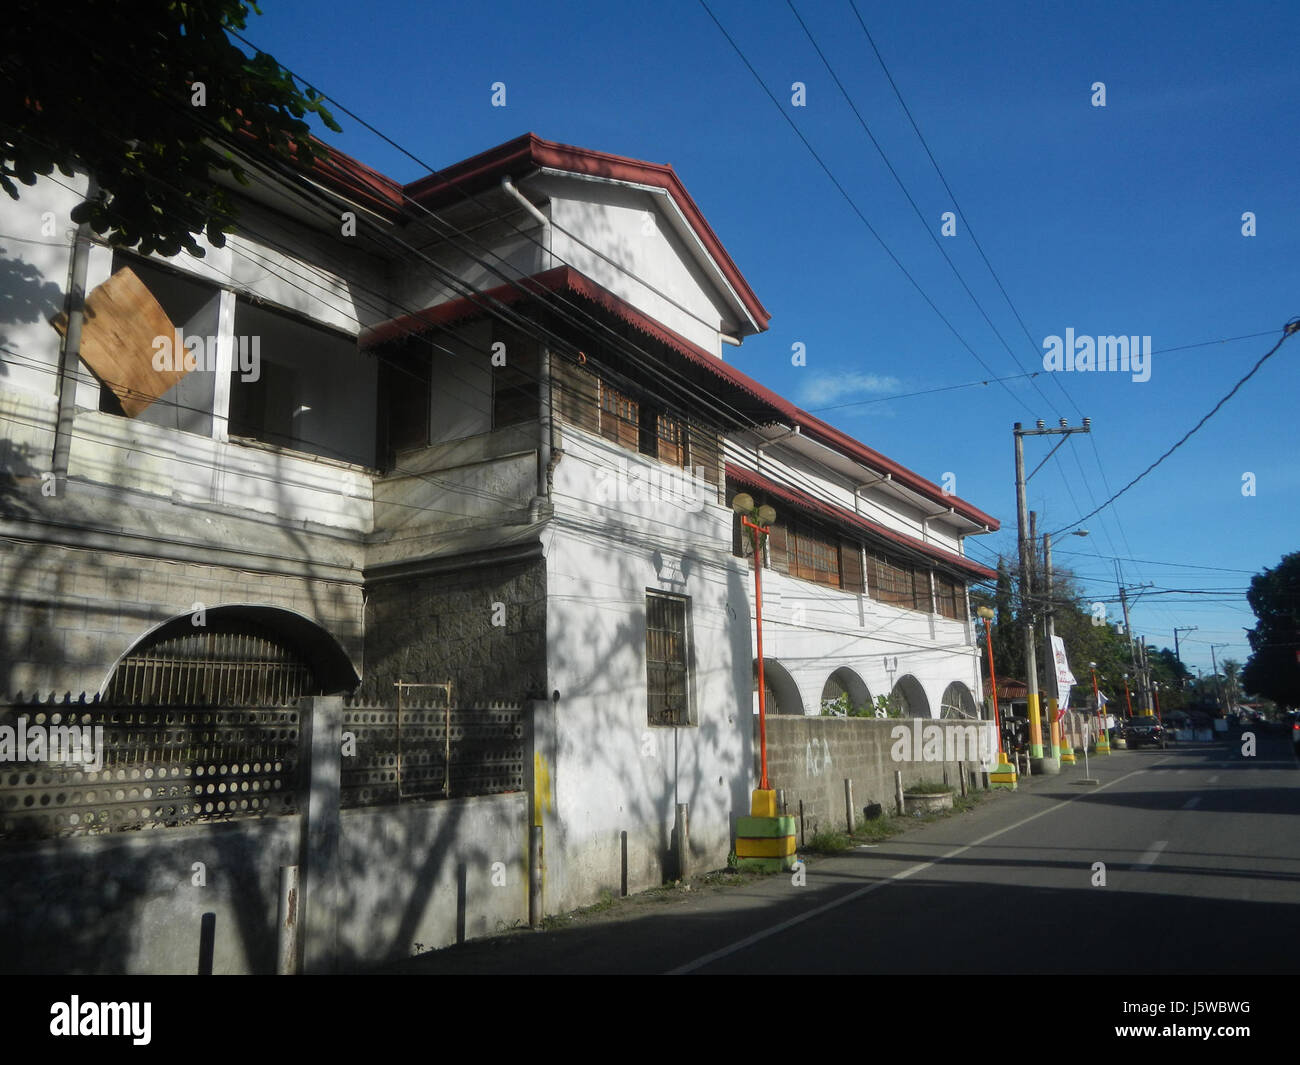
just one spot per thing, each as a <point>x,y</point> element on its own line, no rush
<point>845,687</point>
<point>782,692</point>
<point>958,702</point>
<point>910,698</point>
<point>238,656</point>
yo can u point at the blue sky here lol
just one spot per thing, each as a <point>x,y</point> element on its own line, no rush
<point>1124,219</point>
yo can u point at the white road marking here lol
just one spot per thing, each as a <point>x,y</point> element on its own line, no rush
<point>853,896</point>
<point>1153,852</point>
<point>1192,803</point>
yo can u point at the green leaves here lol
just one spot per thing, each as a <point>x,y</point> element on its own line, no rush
<point>129,114</point>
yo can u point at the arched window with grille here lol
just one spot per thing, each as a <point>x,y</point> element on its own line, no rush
<point>239,657</point>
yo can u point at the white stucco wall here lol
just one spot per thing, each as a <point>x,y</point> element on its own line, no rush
<point>651,267</point>
<point>613,773</point>
<point>812,630</point>
<point>875,503</point>
<point>326,279</point>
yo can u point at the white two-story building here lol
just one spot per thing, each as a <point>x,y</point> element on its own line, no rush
<point>480,428</point>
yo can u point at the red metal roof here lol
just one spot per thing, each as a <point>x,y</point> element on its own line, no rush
<point>516,158</point>
<point>844,517</point>
<point>531,152</point>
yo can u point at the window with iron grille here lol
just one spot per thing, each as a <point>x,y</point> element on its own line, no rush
<point>668,655</point>
<point>236,665</point>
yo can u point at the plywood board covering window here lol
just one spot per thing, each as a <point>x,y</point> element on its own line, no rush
<point>122,321</point>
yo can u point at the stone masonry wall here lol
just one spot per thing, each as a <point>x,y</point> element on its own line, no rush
<point>484,629</point>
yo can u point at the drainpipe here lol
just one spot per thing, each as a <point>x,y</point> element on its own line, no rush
<point>764,444</point>
<point>546,437</point>
<point>524,202</point>
<point>76,304</point>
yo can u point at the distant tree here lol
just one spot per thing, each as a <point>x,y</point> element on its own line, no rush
<point>1272,669</point>
<point>1008,650</point>
<point>152,99</point>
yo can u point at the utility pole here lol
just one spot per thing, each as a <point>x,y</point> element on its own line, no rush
<point>1040,762</point>
<point>1132,647</point>
<point>1123,602</point>
<point>1217,682</point>
<point>1177,653</point>
<point>1144,677</point>
<point>1053,682</point>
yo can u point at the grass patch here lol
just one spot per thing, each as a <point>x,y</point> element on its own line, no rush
<point>874,829</point>
<point>928,788</point>
<point>825,842</point>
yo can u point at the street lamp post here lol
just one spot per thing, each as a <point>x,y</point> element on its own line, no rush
<point>765,840</point>
<point>1058,747</point>
<point>1103,736</point>
<point>743,504</point>
<point>1004,775</point>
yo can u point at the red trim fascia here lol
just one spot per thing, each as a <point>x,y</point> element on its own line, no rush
<point>465,307</point>
<point>530,152</point>
<point>359,182</point>
<point>565,278</point>
<point>856,521</point>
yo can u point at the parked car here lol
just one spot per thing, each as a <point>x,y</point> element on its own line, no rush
<point>1293,727</point>
<point>1143,730</point>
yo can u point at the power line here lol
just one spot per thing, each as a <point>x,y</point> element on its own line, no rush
<point>471,291</point>
<point>997,280</point>
<point>1291,328</point>
<point>852,204</point>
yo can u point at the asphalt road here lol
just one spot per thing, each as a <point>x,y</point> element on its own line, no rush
<point>1200,845</point>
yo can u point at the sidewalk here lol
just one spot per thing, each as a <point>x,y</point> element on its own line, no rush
<point>669,928</point>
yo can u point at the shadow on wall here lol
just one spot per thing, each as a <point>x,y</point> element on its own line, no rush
<point>645,771</point>
<point>25,297</point>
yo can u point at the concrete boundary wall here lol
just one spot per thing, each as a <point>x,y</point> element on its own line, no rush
<point>376,883</point>
<point>811,757</point>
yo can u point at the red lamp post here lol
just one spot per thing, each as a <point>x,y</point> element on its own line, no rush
<point>986,615</point>
<point>1103,738</point>
<point>743,504</point>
